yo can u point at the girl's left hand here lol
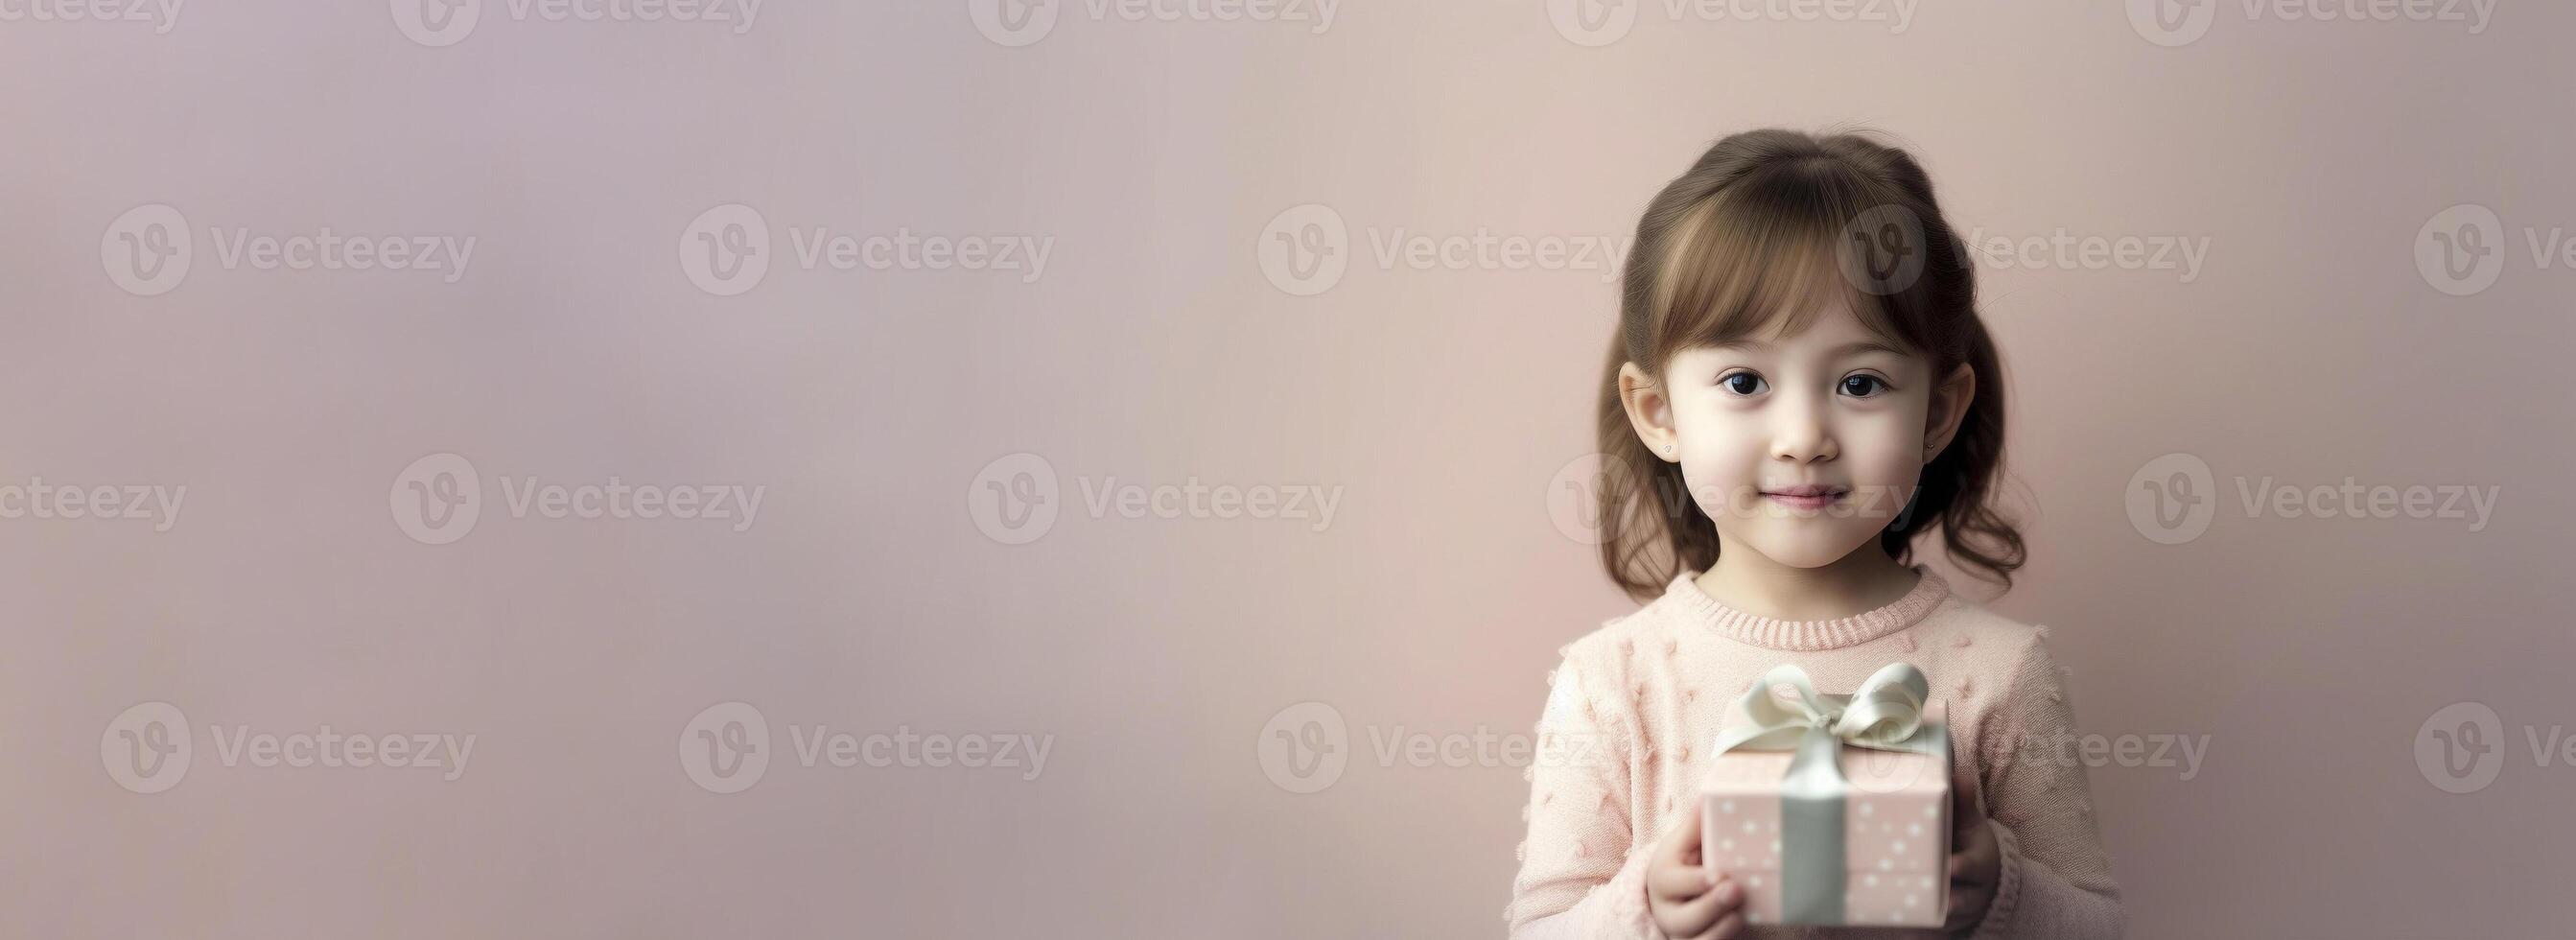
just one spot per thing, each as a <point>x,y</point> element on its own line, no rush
<point>1976,861</point>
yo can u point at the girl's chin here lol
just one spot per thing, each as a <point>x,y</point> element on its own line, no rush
<point>1802,550</point>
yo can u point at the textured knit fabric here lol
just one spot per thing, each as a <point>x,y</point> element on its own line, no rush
<point>1635,705</point>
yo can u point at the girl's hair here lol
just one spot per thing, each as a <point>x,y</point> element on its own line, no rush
<point>1775,225</point>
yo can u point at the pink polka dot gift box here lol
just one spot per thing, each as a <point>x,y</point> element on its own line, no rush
<point>1833,809</point>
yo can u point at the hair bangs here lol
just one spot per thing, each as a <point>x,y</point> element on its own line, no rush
<point>1772,253</point>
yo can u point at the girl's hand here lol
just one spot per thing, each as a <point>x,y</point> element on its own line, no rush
<point>1976,860</point>
<point>1685,900</point>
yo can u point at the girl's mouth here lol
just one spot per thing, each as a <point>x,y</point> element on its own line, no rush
<point>1804,497</point>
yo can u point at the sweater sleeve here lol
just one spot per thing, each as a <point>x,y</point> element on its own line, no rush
<point>1582,872</point>
<point>2056,881</point>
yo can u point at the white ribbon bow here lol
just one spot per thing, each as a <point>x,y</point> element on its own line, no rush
<point>1885,713</point>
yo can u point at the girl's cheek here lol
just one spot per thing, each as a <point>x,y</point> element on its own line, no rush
<point>1711,422</point>
<point>1890,477</point>
<point>1718,435</point>
<point>1888,446</point>
<point>1721,460</point>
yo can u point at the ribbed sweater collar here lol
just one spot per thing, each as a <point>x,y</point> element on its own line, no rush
<point>1686,600</point>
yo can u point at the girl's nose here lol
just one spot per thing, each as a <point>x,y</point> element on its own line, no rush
<point>1800,435</point>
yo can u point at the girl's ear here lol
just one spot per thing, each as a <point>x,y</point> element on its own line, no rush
<point>1649,411</point>
<point>1949,408</point>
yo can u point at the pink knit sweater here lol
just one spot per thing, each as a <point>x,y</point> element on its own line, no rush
<point>1651,688</point>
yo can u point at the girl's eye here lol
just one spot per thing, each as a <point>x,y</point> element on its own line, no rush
<point>1863,385</point>
<point>1742,383</point>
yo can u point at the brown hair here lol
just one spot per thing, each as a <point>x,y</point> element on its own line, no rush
<point>1763,227</point>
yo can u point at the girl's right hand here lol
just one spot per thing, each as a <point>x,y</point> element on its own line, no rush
<point>1684,897</point>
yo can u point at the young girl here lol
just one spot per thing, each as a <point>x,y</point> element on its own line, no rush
<point>1800,386</point>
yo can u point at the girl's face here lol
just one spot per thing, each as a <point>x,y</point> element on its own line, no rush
<point>1802,448</point>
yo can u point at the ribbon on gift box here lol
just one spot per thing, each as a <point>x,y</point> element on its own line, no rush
<point>1885,713</point>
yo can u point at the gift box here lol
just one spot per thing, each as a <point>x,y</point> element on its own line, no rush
<point>1833,809</point>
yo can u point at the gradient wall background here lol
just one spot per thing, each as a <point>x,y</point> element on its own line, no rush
<point>1161,659</point>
